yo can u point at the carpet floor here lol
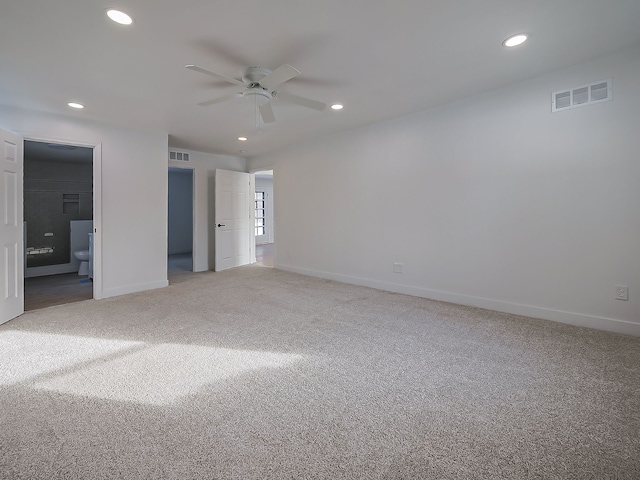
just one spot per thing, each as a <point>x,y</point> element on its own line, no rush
<point>255,373</point>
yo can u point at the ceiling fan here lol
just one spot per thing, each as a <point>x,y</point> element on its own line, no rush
<point>259,84</point>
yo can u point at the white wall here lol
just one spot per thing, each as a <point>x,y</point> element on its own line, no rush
<point>180,216</point>
<point>134,194</point>
<point>204,166</point>
<point>491,201</point>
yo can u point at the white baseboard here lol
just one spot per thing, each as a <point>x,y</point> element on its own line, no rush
<point>577,319</point>
<point>141,287</point>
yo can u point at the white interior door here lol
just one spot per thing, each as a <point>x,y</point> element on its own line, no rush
<point>11,228</point>
<point>234,234</point>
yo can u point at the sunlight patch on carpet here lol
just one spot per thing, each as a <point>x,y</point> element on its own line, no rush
<point>161,374</point>
<point>153,374</point>
<point>29,355</point>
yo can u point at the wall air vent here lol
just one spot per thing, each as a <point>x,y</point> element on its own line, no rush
<point>179,156</point>
<point>581,96</point>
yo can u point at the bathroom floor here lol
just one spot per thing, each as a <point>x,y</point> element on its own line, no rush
<point>42,292</point>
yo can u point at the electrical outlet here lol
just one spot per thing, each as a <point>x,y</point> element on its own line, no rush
<point>397,267</point>
<point>622,292</point>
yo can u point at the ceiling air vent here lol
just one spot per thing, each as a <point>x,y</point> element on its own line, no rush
<point>179,156</point>
<point>581,96</point>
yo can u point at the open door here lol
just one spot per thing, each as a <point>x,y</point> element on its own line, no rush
<point>234,236</point>
<point>11,227</point>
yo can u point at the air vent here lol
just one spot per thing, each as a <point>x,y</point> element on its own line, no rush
<point>179,156</point>
<point>581,96</point>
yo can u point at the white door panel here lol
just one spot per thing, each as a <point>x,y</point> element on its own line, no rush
<point>11,227</point>
<point>233,219</point>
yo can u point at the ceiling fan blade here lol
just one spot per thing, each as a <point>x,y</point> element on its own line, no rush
<point>302,101</point>
<point>278,76</point>
<point>233,81</point>
<point>266,112</point>
<point>220,99</point>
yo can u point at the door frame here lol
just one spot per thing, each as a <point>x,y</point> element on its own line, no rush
<point>97,200</point>
<point>194,243</point>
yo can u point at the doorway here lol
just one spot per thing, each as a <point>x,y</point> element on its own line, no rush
<point>180,221</point>
<point>58,223</point>
<point>264,218</point>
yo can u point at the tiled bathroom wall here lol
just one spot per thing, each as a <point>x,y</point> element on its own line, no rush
<point>56,192</point>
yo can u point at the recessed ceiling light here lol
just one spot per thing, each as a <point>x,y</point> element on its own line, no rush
<point>515,40</point>
<point>243,139</point>
<point>119,17</point>
<point>75,105</point>
<point>337,106</point>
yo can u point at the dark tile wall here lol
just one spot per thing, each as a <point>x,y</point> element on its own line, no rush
<point>55,192</point>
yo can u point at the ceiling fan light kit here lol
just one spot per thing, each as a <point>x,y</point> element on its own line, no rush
<point>260,96</point>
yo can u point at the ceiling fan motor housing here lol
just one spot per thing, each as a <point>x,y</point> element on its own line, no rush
<point>255,91</point>
<point>253,75</point>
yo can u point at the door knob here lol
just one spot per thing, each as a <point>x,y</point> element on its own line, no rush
<point>221,225</point>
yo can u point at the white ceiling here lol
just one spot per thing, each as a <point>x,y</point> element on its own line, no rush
<point>380,59</point>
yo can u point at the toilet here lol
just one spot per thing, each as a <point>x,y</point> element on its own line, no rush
<point>83,256</point>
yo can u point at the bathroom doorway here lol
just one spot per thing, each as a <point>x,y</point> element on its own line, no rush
<point>58,223</point>
<point>180,221</point>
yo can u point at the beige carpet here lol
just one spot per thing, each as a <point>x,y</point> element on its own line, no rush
<point>255,373</point>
